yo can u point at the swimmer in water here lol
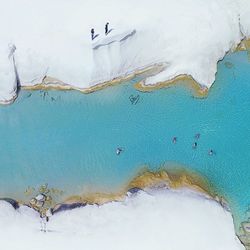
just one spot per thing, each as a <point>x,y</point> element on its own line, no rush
<point>174,140</point>
<point>195,145</point>
<point>210,152</point>
<point>197,136</point>
<point>119,150</point>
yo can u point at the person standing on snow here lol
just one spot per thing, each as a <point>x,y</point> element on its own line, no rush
<point>106,28</point>
<point>92,34</point>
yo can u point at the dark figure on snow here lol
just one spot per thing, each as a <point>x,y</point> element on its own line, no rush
<point>92,34</point>
<point>106,28</point>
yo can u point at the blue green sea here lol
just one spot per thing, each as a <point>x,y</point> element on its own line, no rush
<point>69,140</point>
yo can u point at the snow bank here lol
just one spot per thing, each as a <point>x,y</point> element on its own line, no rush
<point>53,39</point>
<point>244,18</point>
<point>8,79</point>
<point>112,39</point>
<point>161,219</point>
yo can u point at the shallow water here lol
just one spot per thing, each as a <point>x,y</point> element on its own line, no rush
<point>69,139</point>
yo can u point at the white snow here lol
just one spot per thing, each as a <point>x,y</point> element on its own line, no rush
<point>8,81</point>
<point>98,43</point>
<point>163,219</point>
<point>53,39</point>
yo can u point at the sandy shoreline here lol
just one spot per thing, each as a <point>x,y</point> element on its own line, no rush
<point>148,179</point>
<point>170,179</point>
<point>199,91</point>
<point>50,83</point>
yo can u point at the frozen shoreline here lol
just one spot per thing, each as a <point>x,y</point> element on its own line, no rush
<point>59,46</point>
<point>172,206</point>
<point>146,220</point>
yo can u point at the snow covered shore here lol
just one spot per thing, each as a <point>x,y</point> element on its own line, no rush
<point>53,39</point>
<point>158,219</point>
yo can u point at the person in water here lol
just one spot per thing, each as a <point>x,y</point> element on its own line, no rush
<point>197,136</point>
<point>195,145</point>
<point>106,28</point>
<point>210,152</point>
<point>92,34</point>
<point>119,150</point>
<point>174,140</point>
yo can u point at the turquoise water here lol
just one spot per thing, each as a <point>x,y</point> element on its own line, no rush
<point>69,139</point>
